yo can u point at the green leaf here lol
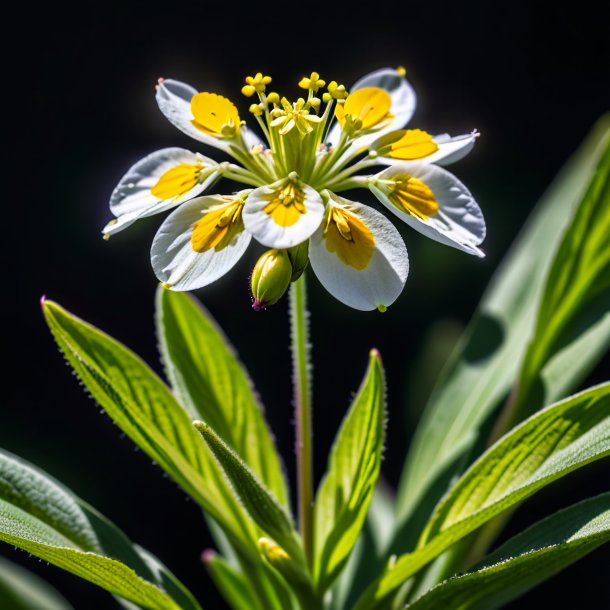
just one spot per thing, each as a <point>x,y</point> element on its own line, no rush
<point>525,560</point>
<point>346,491</point>
<point>549,445</point>
<point>574,314</point>
<point>210,382</point>
<point>367,558</point>
<point>41,517</point>
<point>231,583</point>
<point>20,589</point>
<point>486,363</point>
<point>146,410</point>
<point>264,509</point>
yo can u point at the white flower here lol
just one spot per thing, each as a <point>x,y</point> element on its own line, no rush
<point>293,177</point>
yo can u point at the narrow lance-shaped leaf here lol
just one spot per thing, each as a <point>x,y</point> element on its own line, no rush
<point>485,364</point>
<point>230,582</point>
<point>346,491</point>
<point>146,410</point>
<point>549,445</point>
<point>211,383</point>
<point>264,509</point>
<point>525,560</point>
<point>20,589</point>
<point>574,315</point>
<point>43,518</point>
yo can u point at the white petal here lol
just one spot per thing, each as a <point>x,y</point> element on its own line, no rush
<point>251,138</point>
<point>132,198</point>
<point>450,150</point>
<point>268,232</point>
<point>173,258</point>
<point>459,221</point>
<point>403,106</point>
<point>383,279</point>
<point>174,99</point>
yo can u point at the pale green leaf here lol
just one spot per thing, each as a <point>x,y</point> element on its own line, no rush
<point>20,589</point>
<point>549,445</point>
<point>264,509</point>
<point>345,493</point>
<point>231,583</point>
<point>574,313</point>
<point>486,363</point>
<point>40,516</point>
<point>147,411</point>
<point>210,382</point>
<point>367,558</point>
<point>525,560</point>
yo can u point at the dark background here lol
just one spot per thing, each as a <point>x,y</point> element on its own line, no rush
<point>80,110</point>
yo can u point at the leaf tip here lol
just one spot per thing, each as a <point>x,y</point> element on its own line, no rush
<point>208,556</point>
<point>375,354</point>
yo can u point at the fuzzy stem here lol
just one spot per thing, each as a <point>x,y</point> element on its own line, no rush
<point>302,405</point>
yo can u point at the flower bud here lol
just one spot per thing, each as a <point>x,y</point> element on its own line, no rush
<point>299,257</point>
<point>270,278</point>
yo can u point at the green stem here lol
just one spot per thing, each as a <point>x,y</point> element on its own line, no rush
<point>302,404</point>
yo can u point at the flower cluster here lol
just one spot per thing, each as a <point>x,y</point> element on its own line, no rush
<point>313,148</point>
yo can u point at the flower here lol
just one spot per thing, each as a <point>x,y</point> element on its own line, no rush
<point>313,149</point>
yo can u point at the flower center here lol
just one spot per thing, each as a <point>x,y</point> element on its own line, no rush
<point>177,181</point>
<point>286,205</point>
<point>349,238</point>
<point>218,226</point>
<point>412,196</point>
<point>215,115</point>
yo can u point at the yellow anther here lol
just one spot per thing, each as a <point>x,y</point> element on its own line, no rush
<point>401,71</point>
<point>381,308</point>
<point>273,98</point>
<point>293,115</point>
<point>313,83</point>
<point>258,82</point>
<point>256,109</point>
<point>315,102</point>
<point>248,90</point>
<point>336,91</point>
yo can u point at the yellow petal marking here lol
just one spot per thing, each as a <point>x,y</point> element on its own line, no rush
<point>413,197</point>
<point>349,238</point>
<point>215,115</point>
<point>286,205</point>
<point>218,226</point>
<point>371,105</point>
<point>177,181</point>
<point>414,144</point>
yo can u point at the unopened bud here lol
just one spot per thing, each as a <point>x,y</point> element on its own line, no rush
<point>270,278</point>
<point>299,257</point>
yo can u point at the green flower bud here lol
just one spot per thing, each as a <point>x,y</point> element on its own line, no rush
<point>299,257</point>
<point>270,278</point>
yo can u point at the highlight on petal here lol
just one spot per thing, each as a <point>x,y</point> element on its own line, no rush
<point>402,96</point>
<point>159,182</point>
<point>415,144</point>
<point>174,100</point>
<point>433,202</point>
<point>358,255</point>
<point>200,241</point>
<point>283,214</point>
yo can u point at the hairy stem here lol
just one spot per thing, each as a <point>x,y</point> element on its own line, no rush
<point>302,405</point>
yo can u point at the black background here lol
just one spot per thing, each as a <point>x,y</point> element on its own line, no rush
<point>80,110</point>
